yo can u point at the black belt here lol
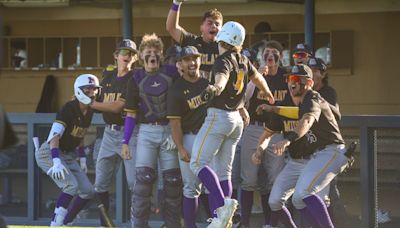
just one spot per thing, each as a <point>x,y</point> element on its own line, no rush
<point>161,123</point>
<point>115,127</point>
<point>258,123</point>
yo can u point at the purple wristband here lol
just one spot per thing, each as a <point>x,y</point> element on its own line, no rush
<point>128,129</point>
<point>81,152</point>
<point>175,7</point>
<point>55,152</point>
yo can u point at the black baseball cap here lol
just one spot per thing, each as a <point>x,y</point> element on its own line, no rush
<point>183,52</point>
<point>317,63</point>
<point>301,70</point>
<point>127,44</point>
<point>303,48</point>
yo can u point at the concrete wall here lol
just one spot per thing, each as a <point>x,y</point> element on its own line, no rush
<point>370,87</point>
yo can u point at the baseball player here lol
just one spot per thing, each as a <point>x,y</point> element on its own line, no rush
<point>318,130</point>
<point>57,158</point>
<point>146,104</point>
<point>274,75</point>
<point>111,103</point>
<point>223,125</point>
<point>186,112</point>
<point>302,53</point>
<point>205,43</point>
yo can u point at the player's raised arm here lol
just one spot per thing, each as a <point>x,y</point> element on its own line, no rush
<point>172,23</point>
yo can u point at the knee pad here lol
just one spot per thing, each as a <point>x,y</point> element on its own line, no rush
<point>172,183</point>
<point>145,178</point>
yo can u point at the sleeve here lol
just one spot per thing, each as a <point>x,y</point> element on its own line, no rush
<point>64,116</point>
<point>131,96</point>
<point>311,107</point>
<point>274,123</point>
<point>221,68</point>
<point>187,39</point>
<point>174,107</point>
<point>171,70</point>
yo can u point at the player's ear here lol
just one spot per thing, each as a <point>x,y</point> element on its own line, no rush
<point>178,65</point>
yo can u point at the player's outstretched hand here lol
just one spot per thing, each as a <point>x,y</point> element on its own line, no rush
<point>125,153</point>
<point>263,70</point>
<point>82,163</point>
<point>58,170</point>
<point>268,96</point>
<point>264,108</point>
<point>184,155</point>
<point>280,147</point>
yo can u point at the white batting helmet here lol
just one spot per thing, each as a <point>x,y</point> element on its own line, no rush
<point>82,81</point>
<point>232,33</point>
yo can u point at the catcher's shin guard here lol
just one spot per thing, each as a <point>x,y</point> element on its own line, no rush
<point>141,202</point>
<point>173,197</point>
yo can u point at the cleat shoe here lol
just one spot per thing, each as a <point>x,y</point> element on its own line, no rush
<point>225,213</point>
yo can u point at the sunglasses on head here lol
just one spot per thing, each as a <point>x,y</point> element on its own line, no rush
<point>125,52</point>
<point>300,55</point>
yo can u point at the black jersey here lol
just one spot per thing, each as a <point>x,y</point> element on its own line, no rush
<point>278,123</point>
<point>113,89</point>
<point>75,124</point>
<point>278,86</point>
<point>329,94</point>
<point>184,102</point>
<point>209,52</point>
<point>147,93</point>
<point>325,129</point>
<point>238,68</point>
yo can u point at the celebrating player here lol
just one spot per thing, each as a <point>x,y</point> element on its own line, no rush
<point>271,163</point>
<point>146,102</point>
<point>322,139</point>
<point>205,43</point>
<point>186,113</point>
<point>302,53</point>
<point>223,125</point>
<point>114,83</point>
<point>57,156</point>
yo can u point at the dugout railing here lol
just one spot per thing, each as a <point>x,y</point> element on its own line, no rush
<point>365,126</point>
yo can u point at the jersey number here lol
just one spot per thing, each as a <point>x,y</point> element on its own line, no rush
<point>239,84</point>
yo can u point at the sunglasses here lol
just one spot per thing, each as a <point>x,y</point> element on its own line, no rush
<point>125,52</point>
<point>294,78</point>
<point>299,55</point>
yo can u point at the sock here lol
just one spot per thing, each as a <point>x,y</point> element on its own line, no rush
<point>212,206</point>
<point>74,209</point>
<point>246,202</point>
<point>274,218</point>
<point>318,210</point>
<point>190,206</point>
<point>306,214</point>
<point>63,200</point>
<point>286,218</point>
<point>210,180</point>
<point>226,186</point>
<point>266,208</point>
<point>234,194</point>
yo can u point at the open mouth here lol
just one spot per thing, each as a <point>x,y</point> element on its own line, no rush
<point>213,32</point>
<point>153,61</point>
